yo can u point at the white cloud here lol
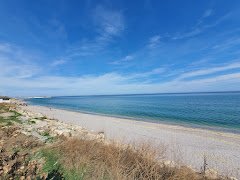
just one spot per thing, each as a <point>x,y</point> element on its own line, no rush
<point>18,71</point>
<point>5,48</point>
<point>58,62</point>
<point>200,26</point>
<point>226,44</point>
<point>209,71</point>
<point>114,84</point>
<point>154,41</point>
<point>109,25</point>
<point>207,13</point>
<point>24,78</point>
<point>156,71</point>
<point>15,62</point>
<point>111,22</point>
<point>123,60</point>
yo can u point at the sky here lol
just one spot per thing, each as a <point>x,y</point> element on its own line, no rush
<point>67,47</point>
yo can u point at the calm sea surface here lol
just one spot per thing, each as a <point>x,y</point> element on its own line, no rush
<point>220,111</point>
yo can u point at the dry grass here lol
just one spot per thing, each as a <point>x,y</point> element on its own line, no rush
<point>89,159</point>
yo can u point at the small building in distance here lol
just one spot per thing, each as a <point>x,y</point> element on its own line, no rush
<point>4,99</point>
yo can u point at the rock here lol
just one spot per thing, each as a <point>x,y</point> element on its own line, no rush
<point>22,178</point>
<point>23,118</point>
<point>169,163</point>
<point>38,115</point>
<point>6,169</point>
<point>1,142</point>
<point>7,114</point>
<point>64,132</point>
<point>101,135</point>
<point>67,134</point>
<point>233,178</point>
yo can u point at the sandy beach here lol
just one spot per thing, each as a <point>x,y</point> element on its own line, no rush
<point>184,145</point>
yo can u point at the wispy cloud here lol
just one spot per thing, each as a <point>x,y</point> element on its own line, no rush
<point>17,62</point>
<point>5,48</point>
<point>207,13</point>
<point>58,62</point>
<point>226,44</point>
<point>154,41</point>
<point>110,22</point>
<point>209,71</point>
<point>156,71</point>
<point>151,44</point>
<point>18,71</point>
<point>115,83</point>
<point>123,60</point>
<point>25,74</point>
<point>200,26</point>
<point>16,75</point>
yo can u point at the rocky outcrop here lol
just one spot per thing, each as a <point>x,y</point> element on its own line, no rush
<point>40,126</point>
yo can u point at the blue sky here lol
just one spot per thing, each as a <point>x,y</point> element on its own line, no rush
<point>64,47</point>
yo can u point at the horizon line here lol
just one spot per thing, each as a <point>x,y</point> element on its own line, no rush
<point>197,92</point>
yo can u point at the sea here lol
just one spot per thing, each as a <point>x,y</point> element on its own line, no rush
<point>216,110</point>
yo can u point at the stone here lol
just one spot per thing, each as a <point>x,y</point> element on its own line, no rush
<point>6,169</point>
<point>233,178</point>
<point>23,118</point>
<point>7,114</point>
<point>101,135</point>
<point>66,134</point>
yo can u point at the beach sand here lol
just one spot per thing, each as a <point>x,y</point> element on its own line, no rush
<point>184,145</point>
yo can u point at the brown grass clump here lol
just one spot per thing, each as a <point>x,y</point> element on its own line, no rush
<point>90,159</point>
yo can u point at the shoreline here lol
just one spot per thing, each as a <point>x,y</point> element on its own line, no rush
<point>191,144</point>
<point>160,122</point>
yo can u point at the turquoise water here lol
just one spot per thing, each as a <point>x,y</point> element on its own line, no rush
<point>219,111</point>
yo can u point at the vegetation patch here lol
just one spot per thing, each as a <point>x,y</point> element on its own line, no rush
<point>41,118</point>
<point>89,159</point>
<point>49,138</point>
<point>56,169</point>
<point>8,116</point>
<point>52,166</point>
